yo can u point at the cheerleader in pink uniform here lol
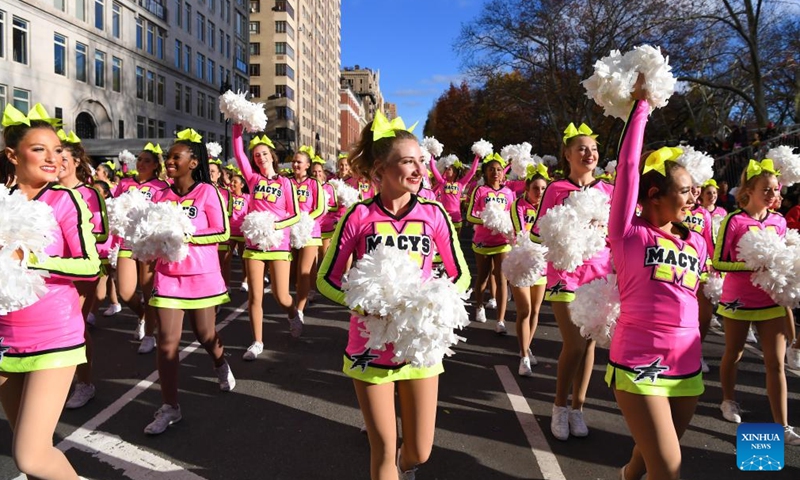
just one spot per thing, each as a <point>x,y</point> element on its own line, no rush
<point>269,192</point>
<point>393,157</point>
<point>654,358</point>
<point>311,200</point>
<point>223,249</point>
<point>328,220</point>
<point>708,199</point>
<point>742,302</point>
<point>577,353</point>
<point>528,299</point>
<point>133,274</point>
<point>75,172</point>
<point>490,248</point>
<point>193,285</point>
<point>41,344</point>
<point>449,188</point>
<point>240,204</point>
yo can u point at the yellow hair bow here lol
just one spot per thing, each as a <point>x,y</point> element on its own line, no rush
<point>571,131</point>
<point>308,150</point>
<point>233,169</point>
<point>757,168</point>
<point>458,164</point>
<point>156,149</point>
<point>656,160</point>
<point>190,135</point>
<point>495,157</point>
<point>319,160</point>
<point>711,183</point>
<point>215,160</point>
<point>71,138</point>
<point>262,140</point>
<point>12,116</point>
<point>110,164</point>
<point>342,155</point>
<point>539,169</point>
<point>383,128</point>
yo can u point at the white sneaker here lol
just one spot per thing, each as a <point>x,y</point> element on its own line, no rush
<point>267,289</point>
<point>138,334</point>
<point>500,328</point>
<point>790,437</point>
<point>148,344</point>
<point>80,396</point>
<point>112,310</point>
<point>532,358</point>
<point>225,376</point>
<point>715,322</point>
<point>704,366</point>
<point>253,351</point>
<point>492,303</point>
<point>577,427</point>
<point>751,335</point>
<point>525,367</point>
<point>480,315</point>
<point>243,287</point>
<point>793,358</point>
<point>164,417</point>
<point>559,423</point>
<point>296,325</point>
<point>90,319</point>
<point>731,411</point>
<point>408,474</point>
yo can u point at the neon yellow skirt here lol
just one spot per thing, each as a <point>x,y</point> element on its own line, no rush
<point>378,375</point>
<point>624,380</point>
<point>43,361</point>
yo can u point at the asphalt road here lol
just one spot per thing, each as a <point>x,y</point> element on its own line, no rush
<point>293,414</point>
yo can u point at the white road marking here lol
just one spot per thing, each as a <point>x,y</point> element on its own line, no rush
<point>136,463</point>
<point>548,463</point>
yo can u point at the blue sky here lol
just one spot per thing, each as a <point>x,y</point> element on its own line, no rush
<point>411,43</point>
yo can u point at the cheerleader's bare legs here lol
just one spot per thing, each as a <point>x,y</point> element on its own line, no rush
<point>575,362</point>
<point>528,301</point>
<point>490,265</point>
<point>279,272</point>
<point>306,257</point>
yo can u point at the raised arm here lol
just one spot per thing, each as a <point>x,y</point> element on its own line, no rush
<point>435,171</point>
<point>474,168</point>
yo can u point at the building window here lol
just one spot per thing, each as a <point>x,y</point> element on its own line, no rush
<point>187,59</point>
<point>255,69</point>
<point>22,99</point>
<point>59,5</point>
<point>210,101</point>
<point>284,91</point>
<point>160,44</point>
<point>151,86</point>
<point>201,104</point>
<point>228,46</point>
<point>255,48</point>
<point>255,6</point>
<point>284,6</point>
<point>140,126</point>
<point>201,27</point>
<point>3,97</point>
<point>178,96</point>
<point>80,62</point>
<point>285,113</point>
<point>212,35</point>
<point>241,25</point>
<point>200,66</point>
<point>162,129</point>
<point>255,91</point>
<point>178,13</point>
<point>283,70</point>
<point>283,48</point>
<point>116,74</point>
<point>178,53</point>
<point>60,54</point>
<point>255,27</point>
<point>188,17</point>
<point>210,71</point>
<point>140,83</point>
<point>151,34</point>
<point>151,128</point>
<point>221,41</point>
<point>187,100</point>
<point>80,9</point>
<point>116,14</point>
<point>139,34</point>
<point>99,69</point>
<point>19,38</point>
<point>99,14</point>
<point>2,34</point>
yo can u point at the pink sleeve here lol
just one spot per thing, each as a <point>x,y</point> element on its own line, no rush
<point>548,202</point>
<point>218,229</point>
<point>708,233</point>
<point>435,172</point>
<point>472,214</point>
<point>343,244</point>
<point>626,191</point>
<point>466,178</point>
<point>450,251</point>
<point>241,157</point>
<point>516,186</point>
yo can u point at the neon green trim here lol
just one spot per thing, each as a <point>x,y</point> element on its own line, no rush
<point>663,387</point>
<point>189,303</point>
<point>470,217</point>
<point>565,297</point>
<point>491,250</point>
<point>718,263</point>
<point>266,256</point>
<point>45,361</point>
<point>215,237</point>
<point>378,376</point>
<point>319,209</point>
<point>754,314</point>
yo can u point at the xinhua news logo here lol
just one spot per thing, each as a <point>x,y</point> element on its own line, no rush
<point>759,447</point>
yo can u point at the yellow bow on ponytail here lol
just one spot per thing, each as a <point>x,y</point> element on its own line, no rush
<point>383,128</point>
<point>263,140</point>
<point>539,169</point>
<point>757,168</point>
<point>657,160</point>
<point>156,149</point>
<point>71,138</point>
<point>190,135</point>
<point>571,131</point>
<point>495,157</point>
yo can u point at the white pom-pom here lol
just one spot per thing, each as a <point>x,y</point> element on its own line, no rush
<point>614,76</point>
<point>330,165</point>
<point>611,167</point>
<point>510,152</point>
<point>716,222</point>
<point>699,164</point>
<point>596,309</point>
<point>128,159</point>
<point>123,209</point>
<point>236,108</point>
<point>214,149</point>
<point>525,264</point>
<point>345,194</point>
<point>28,225</point>
<point>425,153</point>
<point>550,160</point>
<point>300,233</point>
<point>259,228</point>
<point>19,286</point>
<point>417,317</point>
<point>776,264</point>
<point>433,146</point>
<point>161,233</point>
<point>712,289</point>
<point>598,171</point>
<point>787,162</point>
<point>575,231</point>
<point>497,219</point>
<point>445,162</point>
<point>113,255</point>
<point>792,237</point>
<point>482,148</point>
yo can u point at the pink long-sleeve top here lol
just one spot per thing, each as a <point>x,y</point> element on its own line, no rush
<point>332,211</point>
<point>97,206</point>
<point>310,199</point>
<point>239,209</point>
<point>658,274</point>
<point>699,220</point>
<point>365,189</point>
<point>523,215</point>
<point>422,230</point>
<point>55,321</point>
<point>482,196</point>
<point>450,193</point>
